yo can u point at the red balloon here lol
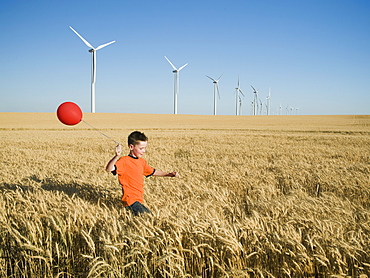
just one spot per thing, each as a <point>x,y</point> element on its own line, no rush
<point>69,113</point>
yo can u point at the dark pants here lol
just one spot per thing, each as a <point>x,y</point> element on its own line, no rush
<point>137,208</point>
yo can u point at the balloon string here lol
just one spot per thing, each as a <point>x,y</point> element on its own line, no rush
<point>101,132</point>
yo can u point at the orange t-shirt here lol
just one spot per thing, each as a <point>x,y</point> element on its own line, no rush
<point>130,172</point>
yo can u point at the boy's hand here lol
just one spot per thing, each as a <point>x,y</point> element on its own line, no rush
<point>112,162</point>
<point>118,149</point>
<point>174,174</point>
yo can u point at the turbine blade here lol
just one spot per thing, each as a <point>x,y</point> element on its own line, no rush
<point>182,67</point>
<point>219,77</point>
<point>104,45</point>
<point>171,63</point>
<point>241,92</point>
<point>253,89</point>
<point>211,78</point>
<point>85,41</point>
<point>218,91</point>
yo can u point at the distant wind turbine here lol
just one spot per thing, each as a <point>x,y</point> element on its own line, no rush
<point>176,83</point>
<point>268,102</point>
<point>255,101</point>
<point>238,92</point>
<point>93,76</point>
<point>215,88</point>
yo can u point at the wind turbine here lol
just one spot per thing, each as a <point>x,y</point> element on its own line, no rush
<point>268,102</point>
<point>255,101</point>
<point>176,83</point>
<point>93,65</point>
<point>238,91</point>
<point>215,88</point>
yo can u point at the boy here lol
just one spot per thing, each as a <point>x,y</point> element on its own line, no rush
<point>131,169</point>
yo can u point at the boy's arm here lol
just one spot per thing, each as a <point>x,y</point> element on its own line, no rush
<point>160,173</point>
<point>112,162</point>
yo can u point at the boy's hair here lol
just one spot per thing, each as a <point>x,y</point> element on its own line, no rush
<point>136,137</point>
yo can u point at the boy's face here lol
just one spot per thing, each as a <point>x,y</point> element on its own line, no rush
<point>139,149</point>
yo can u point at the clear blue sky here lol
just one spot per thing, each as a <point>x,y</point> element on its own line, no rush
<point>314,55</point>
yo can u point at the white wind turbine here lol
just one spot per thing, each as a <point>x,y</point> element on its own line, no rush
<point>255,101</point>
<point>238,92</point>
<point>215,88</point>
<point>268,102</point>
<point>93,65</point>
<point>176,82</point>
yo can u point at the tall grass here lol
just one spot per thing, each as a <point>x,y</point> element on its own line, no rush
<point>251,202</point>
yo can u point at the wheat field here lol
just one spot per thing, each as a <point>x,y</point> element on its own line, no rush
<point>258,196</point>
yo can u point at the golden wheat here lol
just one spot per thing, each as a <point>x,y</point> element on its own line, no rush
<point>264,196</point>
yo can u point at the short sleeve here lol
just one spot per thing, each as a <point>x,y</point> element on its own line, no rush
<point>114,172</point>
<point>148,170</point>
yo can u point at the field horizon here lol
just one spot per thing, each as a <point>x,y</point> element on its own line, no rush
<point>183,121</point>
<point>258,196</point>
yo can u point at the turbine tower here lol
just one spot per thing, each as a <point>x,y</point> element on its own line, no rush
<point>93,65</point>
<point>176,83</point>
<point>240,105</point>
<point>268,102</point>
<point>238,92</point>
<point>255,101</point>
<point>261,106</point>
<point>215,88</point>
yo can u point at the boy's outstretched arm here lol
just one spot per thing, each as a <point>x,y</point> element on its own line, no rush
<point>110,165</point>
<point>160,173</point>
